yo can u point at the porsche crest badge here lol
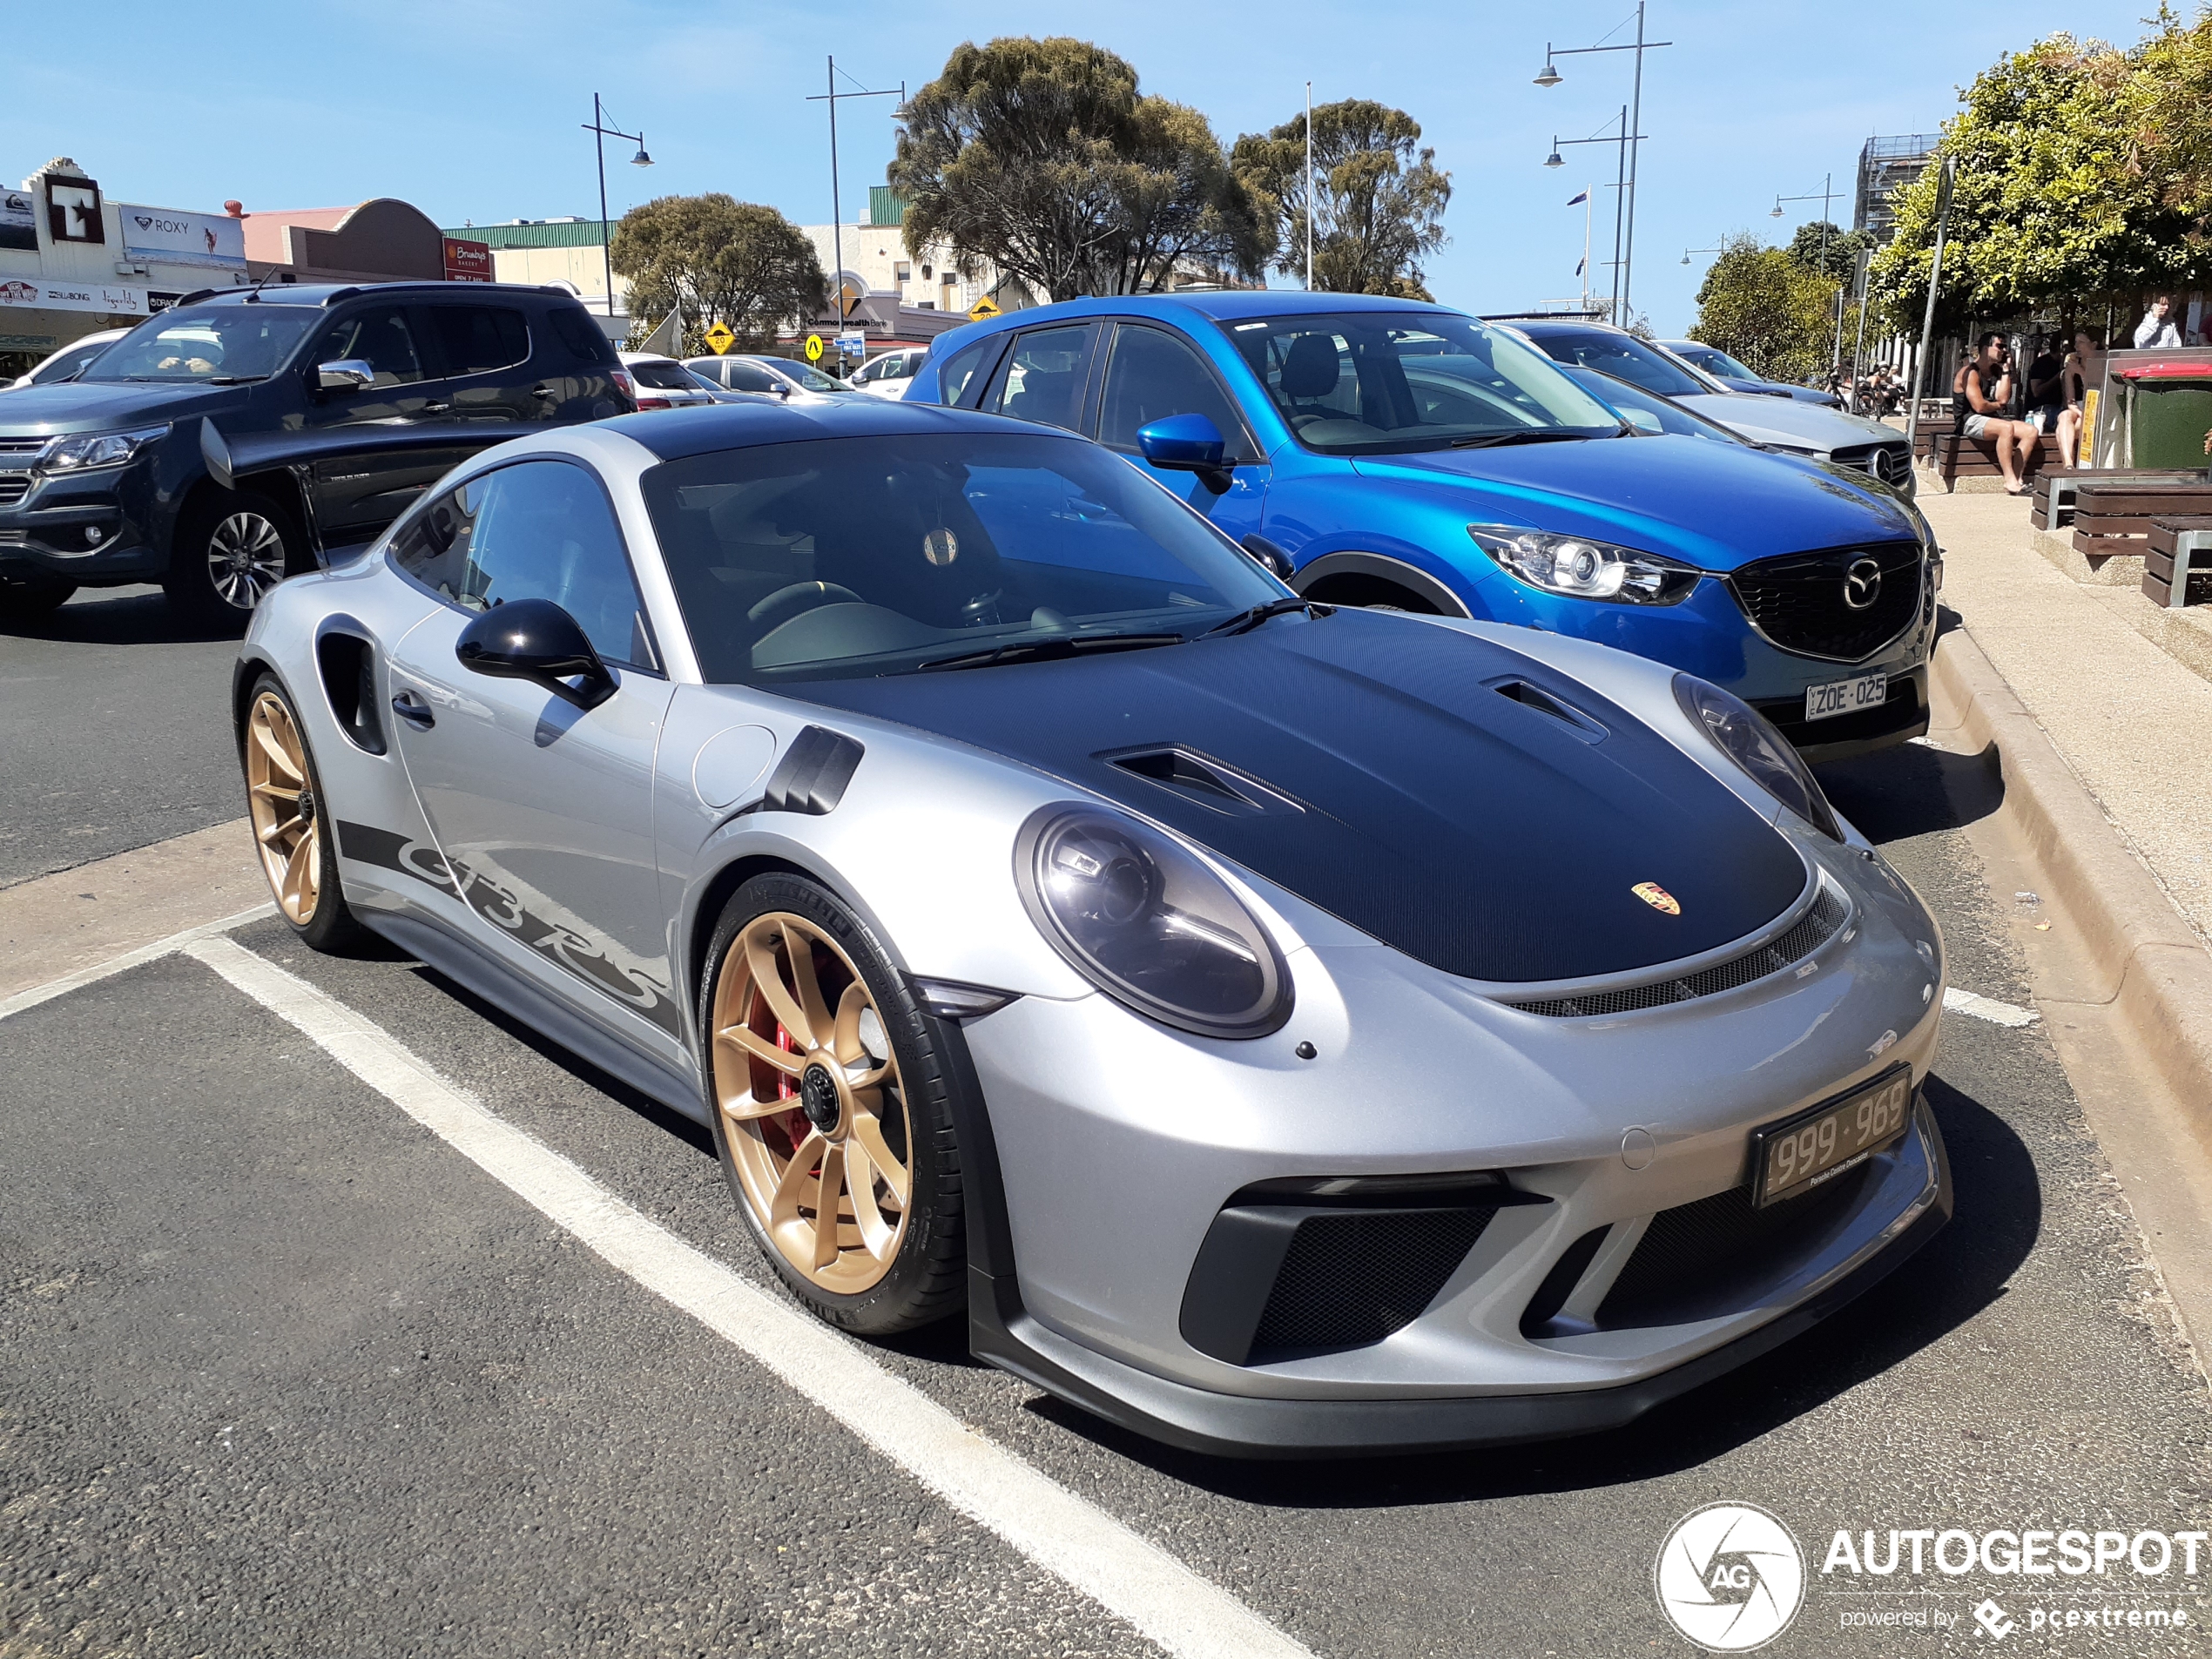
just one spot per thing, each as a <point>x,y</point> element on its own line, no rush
<point>1657,897</point>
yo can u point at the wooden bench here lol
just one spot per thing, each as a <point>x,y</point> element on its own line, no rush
<point>1953,456</point>
<point>2052,503</point>
<point>2177,562</point>
<point>2116,515</point>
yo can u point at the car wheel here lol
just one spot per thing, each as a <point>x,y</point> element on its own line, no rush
<point>830,1107</point>
<point>291,821</point>
<point>230,550</point>
<point>27,598</point>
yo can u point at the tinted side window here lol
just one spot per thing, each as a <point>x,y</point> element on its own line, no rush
<point>474,339</point>
<point>544,529</point>
<point>383,337</point>
<point>1043,380</point>
<point>573,326</point>
<point>1151,375</point>
<point>954,377</point>
<point>743,377</point>
<point>433,548</point>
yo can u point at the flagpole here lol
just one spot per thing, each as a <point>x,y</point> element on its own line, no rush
<point>1586,191</point>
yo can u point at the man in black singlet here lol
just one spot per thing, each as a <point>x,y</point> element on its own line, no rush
<point>1981,393</point>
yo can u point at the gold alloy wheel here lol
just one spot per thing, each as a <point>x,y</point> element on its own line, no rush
<point>281,799</point>
<point>812,1104</point>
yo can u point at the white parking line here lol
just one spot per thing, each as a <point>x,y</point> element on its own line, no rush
<point>176,941</point>
<point>1986,1008</point>
<point>1130,1577</point>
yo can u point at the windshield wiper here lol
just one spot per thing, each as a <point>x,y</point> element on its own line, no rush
<point>232,380</point>
<point>1245,621</point>
<point>1528,435</point>
<point>1032,650</point>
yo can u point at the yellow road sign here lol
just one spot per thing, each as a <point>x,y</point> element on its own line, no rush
<point>720,338</point>
<point>813,349</point>
<point>981,309</point>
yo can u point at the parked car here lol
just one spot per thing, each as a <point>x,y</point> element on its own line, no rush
<point>888,374</point>
<point>1795,429</point>
<point>1283,1029</point>
<point>781,375</point>
<point>1393,452</point>
<point>662,383</point>
<point>69,362</point>
<point>1732,374</point>
<point>244,435</point>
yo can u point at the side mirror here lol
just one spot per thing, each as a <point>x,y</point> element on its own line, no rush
<point>536,640</point>
<point>1271,557</point>
<point>1187,444</point>
<point>346,374</point>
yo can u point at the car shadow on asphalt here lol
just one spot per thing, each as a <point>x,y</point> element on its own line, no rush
<point>1961,1271</point>
<point>120,616</point>
<point>1895,794</point>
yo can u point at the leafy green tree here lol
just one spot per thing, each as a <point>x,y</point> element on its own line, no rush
<point>1379,198</point>
<point>713,258</point>
<point>1768,308</point>
<point>2084,173</point>
<point>1832,252</point>
<point>1044,157</point>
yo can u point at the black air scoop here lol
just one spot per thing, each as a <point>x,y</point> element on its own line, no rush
<point>1489,833</point>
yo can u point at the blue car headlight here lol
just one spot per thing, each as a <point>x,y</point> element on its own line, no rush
<point>1746,737</point>
<point>98,449</point>
<point>1148,924</point>
<point>1583,569</point>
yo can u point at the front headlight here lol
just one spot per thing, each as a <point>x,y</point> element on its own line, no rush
<point>1746,737</point>
<point>97,449</point>
<point>1584,569</point>
<point>1148,924</point>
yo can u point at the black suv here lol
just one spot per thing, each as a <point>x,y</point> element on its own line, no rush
<point>242,436</point>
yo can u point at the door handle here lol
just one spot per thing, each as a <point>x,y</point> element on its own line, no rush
<point>542,390</point>
<point>414,710</point>
<point>436,408</point>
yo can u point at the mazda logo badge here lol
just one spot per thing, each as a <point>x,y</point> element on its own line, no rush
<point>1862,583</point>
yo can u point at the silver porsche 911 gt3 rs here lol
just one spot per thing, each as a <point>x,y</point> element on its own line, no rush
<point>1286,1030</point>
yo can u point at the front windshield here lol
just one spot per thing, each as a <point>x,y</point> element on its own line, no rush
<point>1713,361</point>
<point>1381,382</point>
<point>812,379</point>
<point>1648,413</point>
<point>220,343</point>
<point>841,557</point>
<point>1625,358</point>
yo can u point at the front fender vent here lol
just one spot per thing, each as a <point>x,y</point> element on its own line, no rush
<point>813,774</point>
<point>1814,929</point>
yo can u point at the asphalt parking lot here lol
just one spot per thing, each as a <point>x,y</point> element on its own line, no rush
<point>287,1374</point>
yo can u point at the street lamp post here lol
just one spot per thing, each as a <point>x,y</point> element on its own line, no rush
<point>1632,124</point>
<point>836,200</point>
<point>601,132</point>
<point>1824,196</point>
<point>1621,186</point>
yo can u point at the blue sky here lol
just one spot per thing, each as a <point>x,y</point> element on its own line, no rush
<point>472,109</point>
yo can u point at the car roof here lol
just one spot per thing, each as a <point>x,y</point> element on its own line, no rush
<point>1533,326</point>
<point>329,293</point>
<point>730,426</point>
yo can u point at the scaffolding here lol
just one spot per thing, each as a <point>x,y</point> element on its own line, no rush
<point>1884,164</point>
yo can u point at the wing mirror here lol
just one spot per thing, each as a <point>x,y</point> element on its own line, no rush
<point>1270,558</point>
<point>1187,444</point>
<point>536,640</point>
<point>346,374</point>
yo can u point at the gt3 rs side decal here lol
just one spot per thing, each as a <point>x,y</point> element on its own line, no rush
<point>559,943</point>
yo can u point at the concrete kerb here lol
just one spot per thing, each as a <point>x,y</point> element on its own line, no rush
<point>2150,967</point>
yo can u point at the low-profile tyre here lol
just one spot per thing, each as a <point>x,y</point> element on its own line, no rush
<point>231,548</point>
<point>29,598</point>
<point>291,823</point>
<point>831,1112</point>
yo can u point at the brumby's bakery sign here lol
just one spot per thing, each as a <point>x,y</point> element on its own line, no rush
<point>104,298</point>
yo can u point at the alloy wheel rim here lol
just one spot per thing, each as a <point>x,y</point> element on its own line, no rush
<point>282,802</point>
<point>812,1104</point>
<point>245,559</point>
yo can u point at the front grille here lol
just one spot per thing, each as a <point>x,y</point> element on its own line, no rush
<point>20,449</point>
<point>1798,600</point>
<point>13,490</point>
<point>1890,463</point>
<point>1698,1261</point>
<point>1351,1279</point>
<point>1814,929</point>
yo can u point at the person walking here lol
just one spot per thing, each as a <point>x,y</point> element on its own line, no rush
<point>1981,393</point>
<point>2158,329</point>
<point>2083,365</point>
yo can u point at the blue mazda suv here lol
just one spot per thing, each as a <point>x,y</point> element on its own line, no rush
<point>1385,452</point>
